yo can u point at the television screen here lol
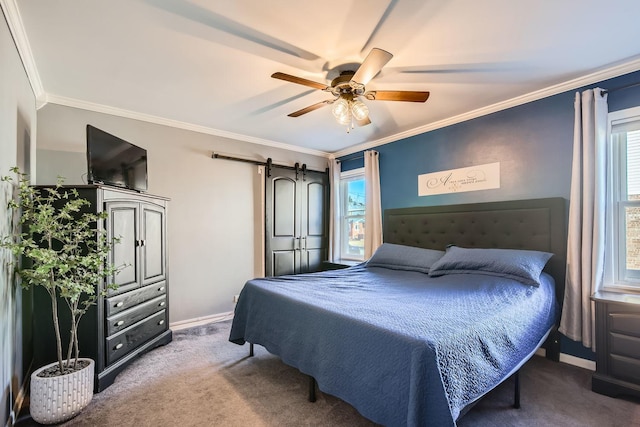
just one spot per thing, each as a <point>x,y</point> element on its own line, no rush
<point>113,161</point>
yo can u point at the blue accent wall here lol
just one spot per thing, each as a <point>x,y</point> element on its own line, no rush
<point>521,139</point>
<point>533,143</point>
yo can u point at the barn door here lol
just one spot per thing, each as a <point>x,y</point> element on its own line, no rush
<point>314,222</point>
<point>296,223</point>
<point>282,223</point>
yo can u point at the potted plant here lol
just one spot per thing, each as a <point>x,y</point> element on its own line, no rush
<point>64,251</point>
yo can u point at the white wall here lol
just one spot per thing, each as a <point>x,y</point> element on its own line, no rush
<point>51,162</point>
<point>214,213</point>
<point>17,128</point>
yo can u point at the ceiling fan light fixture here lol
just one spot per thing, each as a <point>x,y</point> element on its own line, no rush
<point>342,111</point>
<point>345,110</point>
<point>340,108</point>
<point>345,119</point>
<point>360,110</point>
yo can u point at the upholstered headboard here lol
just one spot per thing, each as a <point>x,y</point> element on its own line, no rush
<point>535,224</point>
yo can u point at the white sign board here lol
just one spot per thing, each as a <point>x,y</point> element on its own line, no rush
<point>481,177</point>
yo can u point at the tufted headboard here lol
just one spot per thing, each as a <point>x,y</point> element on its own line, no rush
<point>535,224</point>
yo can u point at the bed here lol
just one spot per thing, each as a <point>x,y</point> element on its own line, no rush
<point>408,338</point>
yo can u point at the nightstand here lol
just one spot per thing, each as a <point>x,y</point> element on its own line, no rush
<point>617,344</point>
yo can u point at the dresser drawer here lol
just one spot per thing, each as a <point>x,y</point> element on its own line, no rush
<point>624,345</point>
<point>127,300</point>
<point>624,368</point>
<point>623,321</point>
<point>135,335</point>
<point>126,318</point>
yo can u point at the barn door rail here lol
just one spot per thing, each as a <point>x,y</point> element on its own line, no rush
<point>300,169</point>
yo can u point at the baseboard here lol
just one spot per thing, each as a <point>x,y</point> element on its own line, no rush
<point>571,360</point>
<point>197,321</point>
<point>578,361</point>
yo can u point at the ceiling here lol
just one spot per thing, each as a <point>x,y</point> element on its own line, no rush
<point>206,65</point>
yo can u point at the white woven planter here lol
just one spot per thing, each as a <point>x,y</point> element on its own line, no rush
<point>57,399</point>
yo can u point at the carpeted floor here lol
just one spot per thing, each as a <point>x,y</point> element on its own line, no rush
<point>201,379</point>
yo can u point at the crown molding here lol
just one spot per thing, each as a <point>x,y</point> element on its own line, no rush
<point>100,108</point>
<point>598,76</point>
<point>14,21</point>
<point>42,100</point>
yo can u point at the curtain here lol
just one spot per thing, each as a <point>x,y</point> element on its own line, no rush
<point>586,237</point>
<point>373,210</point>
<point>334,210</point>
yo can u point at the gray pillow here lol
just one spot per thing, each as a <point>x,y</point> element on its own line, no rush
<point>522,265</point>
<point>400,257</point>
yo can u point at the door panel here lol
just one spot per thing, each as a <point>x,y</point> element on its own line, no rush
<point>123,217</point>
<point>284,207</point>
<point>284,262</point>
<point>314,259</point>
<point>153,247</point>
<point>315,209</point>
<point>282,225</point>
<point>315,227</point>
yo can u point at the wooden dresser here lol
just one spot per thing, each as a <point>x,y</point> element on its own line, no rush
<point>134,318</point>
<point>617,344</point>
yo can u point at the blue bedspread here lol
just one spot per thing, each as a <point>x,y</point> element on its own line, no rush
<point>401,347</point>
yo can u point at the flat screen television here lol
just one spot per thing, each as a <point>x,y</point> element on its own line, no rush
<point>114,161</point>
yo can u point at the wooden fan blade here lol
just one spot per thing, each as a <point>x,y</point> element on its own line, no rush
<point>298,80</point>
<point>371,66</point>
<point>397,95</point>
<point>364,122</point>
<point>309,109</point>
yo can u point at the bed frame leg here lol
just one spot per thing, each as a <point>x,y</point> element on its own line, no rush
<point>553,349</point>
<point>516,391</point>
<point>312,389</point>
<point>250,349</point>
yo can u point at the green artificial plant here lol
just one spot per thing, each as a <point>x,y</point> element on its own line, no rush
<point>62,250</point>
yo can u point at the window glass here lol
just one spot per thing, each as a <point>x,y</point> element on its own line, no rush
<point>632,225</point>
<point>633,165</point>
<point>624,212</point>
<point>353,225</point>
<point>632,208</point>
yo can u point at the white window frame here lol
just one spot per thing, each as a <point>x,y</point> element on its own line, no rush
<point>617,277</point>
<point>345,177</point>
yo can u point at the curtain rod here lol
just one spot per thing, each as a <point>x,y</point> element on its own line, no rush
<point>269,163</point>
<point>620,87</point>
<point>354,157</point>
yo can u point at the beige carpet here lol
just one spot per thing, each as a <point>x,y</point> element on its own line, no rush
<point>201,379</point>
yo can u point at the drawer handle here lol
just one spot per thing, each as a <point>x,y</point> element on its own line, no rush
<point>119,346</point>
<point>120,323</point>
<point>161,322</point>
<point>120,304</point>
<point>161,288</point>
<point>161,304</point>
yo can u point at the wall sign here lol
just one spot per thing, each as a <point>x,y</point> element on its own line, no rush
<point>473,178</point>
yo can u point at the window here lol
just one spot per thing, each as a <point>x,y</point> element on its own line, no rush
<point>352,221</point>
<point>624,210</point>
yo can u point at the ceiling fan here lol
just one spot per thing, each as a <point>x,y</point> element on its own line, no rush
<point>349,86</point>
